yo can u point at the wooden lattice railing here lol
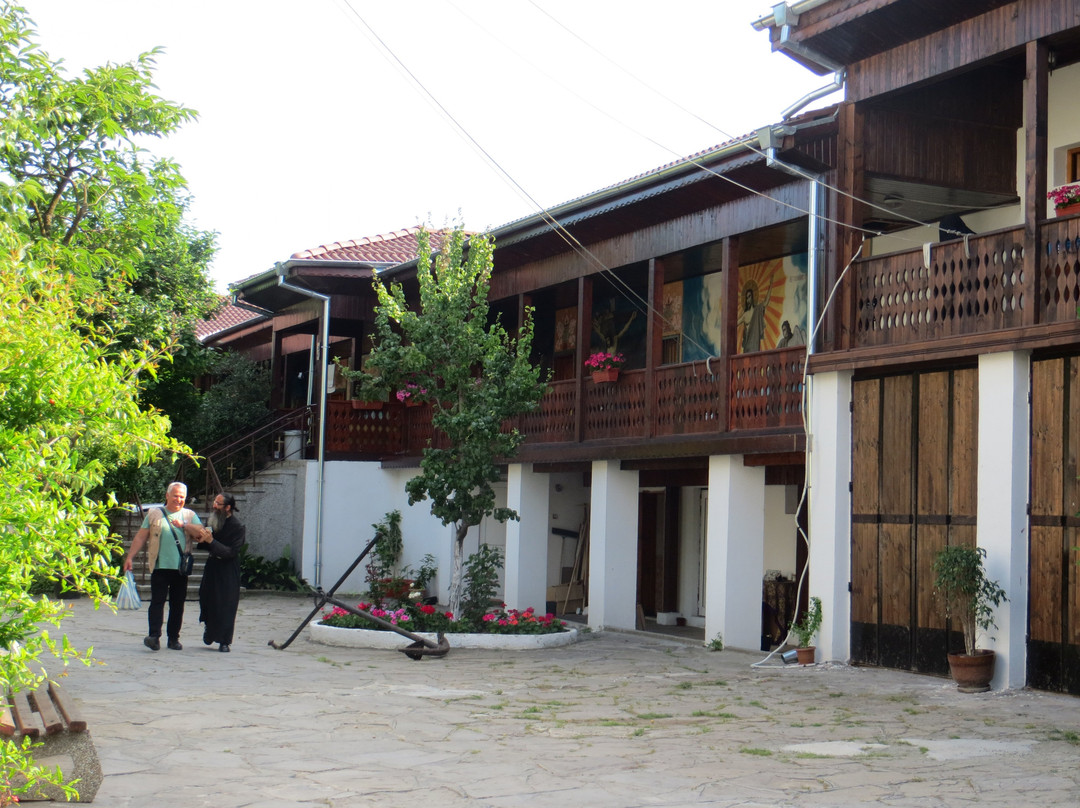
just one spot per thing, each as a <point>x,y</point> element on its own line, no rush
<point>766,389</point>
<point>688,398</point>
<point>968,288</point>
<point>1059,292</point>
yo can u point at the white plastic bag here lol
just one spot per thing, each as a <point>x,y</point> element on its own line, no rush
<point>128,596</point>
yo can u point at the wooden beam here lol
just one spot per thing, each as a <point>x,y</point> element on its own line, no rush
<point>1035,126</point>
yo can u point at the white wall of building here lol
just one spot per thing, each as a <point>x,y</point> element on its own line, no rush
<point>735,552</point>
<point>613,547</point>
<point>1004,462</point>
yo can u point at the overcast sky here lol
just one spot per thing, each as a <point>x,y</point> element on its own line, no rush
<point>310,132</point>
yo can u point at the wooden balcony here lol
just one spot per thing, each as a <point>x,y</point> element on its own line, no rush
<point>968,289</point>
<point>763,392</point>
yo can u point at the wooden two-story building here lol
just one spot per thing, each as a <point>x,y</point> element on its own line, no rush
<point>875,299</point>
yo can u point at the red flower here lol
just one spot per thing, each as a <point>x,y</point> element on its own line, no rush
<point>449,615</point>
<point>427,609</point>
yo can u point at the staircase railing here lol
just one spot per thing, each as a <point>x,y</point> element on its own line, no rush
<point>240,457</point>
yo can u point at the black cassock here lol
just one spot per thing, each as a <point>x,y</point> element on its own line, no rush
<point>219,592</point>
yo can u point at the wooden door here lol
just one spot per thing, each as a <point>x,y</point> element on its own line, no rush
<point>1054,594</point>
<point>913,490</point>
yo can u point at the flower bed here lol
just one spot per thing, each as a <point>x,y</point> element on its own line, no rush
<point>505,629</point>
<point>369,638</point>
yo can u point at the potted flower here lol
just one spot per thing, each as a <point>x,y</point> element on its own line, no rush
<point>805,630</point>
<point>1066,199</point>
<point>409,394</point>
<point>969,597</point>
<point>605,365</point>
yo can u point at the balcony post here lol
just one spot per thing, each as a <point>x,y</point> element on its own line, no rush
<point>654,335</point>
<point>584,330</point>
<point>1035,138</point>
<point>730,329</point>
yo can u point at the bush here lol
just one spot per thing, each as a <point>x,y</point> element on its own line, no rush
<point>257,572</point>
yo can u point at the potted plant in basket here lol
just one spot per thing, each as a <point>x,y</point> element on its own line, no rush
<point>1066,199</point>
<point>605,365</point>
<point>805,630</point>
<point>969,597</point>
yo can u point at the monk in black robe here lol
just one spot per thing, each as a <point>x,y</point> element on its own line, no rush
<point>219,592</point>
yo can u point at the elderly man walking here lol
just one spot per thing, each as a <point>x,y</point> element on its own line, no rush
<point>166,529</point>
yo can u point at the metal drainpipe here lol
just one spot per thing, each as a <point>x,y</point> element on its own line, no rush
<point>319,483</point>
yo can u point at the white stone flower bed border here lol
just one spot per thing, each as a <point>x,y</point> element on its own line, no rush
<point>369,638</point>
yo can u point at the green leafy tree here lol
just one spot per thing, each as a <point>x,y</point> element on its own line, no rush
<point>69,410</point>
<point>87,197</point>
<point>475,375</point>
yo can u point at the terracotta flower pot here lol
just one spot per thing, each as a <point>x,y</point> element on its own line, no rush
<point>605,375</point>
<point>972,674</point>
<point>1067,210</point>
<point>806,656</point>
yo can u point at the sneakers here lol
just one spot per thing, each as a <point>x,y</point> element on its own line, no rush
<point>175,645</point>
<point>224,648</point>
<point>153,643</point>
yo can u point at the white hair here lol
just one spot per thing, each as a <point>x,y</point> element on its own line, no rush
<point>181,486</point>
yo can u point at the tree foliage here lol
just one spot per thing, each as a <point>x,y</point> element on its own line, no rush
<point>474,374</point>
<point>100,280</point>
<point>87,197</point>
<point>69,410</point>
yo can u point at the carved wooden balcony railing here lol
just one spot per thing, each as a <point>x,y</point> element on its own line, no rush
<point>1060,280</point>
<point>553,421</point>
<point>373,432</point>
<point>766,389</point>
<point>971,289</point>
<point>968,289</point>
<point>688,398</point>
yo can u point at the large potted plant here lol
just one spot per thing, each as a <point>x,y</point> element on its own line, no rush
<point>805,630</point>
<point>969,597</point>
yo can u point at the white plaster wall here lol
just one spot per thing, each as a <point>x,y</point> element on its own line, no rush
<point>690,560</point>
<point>613,547</point>
<point>1063,124</point>
<point>735,551</point>
<point>1004,461</point>
<point>357,495</point>
<point>780,530</point>
<point>569,499</point>
<point>829,473</point>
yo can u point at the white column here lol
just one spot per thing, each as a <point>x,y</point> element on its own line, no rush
<point>735,554</point>
<point>1004,384</point>
<point>613,529</point>
<point>828,471</point>
<point>526,539</point>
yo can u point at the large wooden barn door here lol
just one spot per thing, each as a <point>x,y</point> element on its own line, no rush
<point>914,460</point>
<point>1054,601</point>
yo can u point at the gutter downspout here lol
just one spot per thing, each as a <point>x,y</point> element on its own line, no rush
<point>768,138</point>
<point>281,269</point>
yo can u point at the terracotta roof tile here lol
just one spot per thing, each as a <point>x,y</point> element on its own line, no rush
<point>390,248</point>
<point>225,319</point>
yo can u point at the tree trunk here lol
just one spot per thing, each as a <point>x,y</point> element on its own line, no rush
<point>456,577</point>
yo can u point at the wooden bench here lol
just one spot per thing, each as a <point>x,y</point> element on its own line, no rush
<point>49,715</point>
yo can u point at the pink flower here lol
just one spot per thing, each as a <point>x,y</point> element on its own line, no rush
<point>487,618</point>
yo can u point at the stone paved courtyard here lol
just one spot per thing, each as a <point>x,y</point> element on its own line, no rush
<point>615,720</point>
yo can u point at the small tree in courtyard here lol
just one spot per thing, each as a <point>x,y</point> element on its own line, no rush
<point>475,375</point>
